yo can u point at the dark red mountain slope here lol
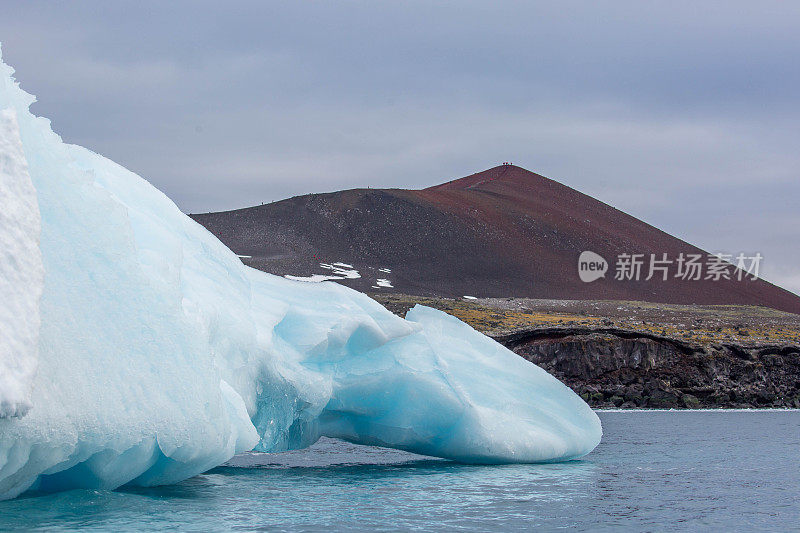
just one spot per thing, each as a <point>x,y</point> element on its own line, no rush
<point>502,232</point>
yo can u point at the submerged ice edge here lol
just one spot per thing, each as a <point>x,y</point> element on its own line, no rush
<point>160,355</point>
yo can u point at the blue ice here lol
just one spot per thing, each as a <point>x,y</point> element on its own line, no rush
<point>137,349</point>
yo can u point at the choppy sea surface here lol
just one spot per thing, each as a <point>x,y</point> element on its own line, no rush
<point>654,470</point>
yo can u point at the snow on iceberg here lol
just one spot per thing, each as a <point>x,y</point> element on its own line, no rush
<point>21,272</point>
<point>160,355</point>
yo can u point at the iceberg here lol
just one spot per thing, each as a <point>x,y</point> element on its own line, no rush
<point>136,349</point>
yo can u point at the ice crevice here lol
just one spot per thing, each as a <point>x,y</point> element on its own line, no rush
<point>135,348</point>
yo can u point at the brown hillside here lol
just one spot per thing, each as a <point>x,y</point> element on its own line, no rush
<point>498,233</point>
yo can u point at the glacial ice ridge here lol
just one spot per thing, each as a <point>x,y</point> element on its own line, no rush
<point>135,348</point>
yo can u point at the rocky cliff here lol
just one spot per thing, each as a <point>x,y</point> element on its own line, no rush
<point>641,355</point>
<point>628,369</point>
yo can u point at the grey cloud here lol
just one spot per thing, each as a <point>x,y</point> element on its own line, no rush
<point>683,114</point>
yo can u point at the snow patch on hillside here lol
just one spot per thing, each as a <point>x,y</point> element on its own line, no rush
<point>338,271</point>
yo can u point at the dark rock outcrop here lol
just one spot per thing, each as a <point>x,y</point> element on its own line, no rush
<point>619,368</point>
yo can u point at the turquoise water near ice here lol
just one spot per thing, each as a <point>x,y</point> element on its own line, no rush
<point>654,470</point>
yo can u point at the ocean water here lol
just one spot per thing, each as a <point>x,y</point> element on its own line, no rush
<point>654,470</point>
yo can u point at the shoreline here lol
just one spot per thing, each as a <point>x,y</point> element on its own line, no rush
<point>702,410</point>
<point>643,355</point>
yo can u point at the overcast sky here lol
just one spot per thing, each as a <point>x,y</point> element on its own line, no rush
<point>684,114</point>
